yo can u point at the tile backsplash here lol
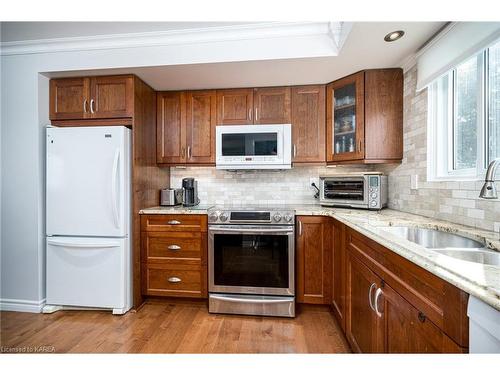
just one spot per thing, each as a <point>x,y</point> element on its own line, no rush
<point>291,186</point>
<point>455,201</point>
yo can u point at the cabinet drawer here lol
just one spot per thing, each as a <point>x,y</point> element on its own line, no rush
<point>174,223</point>
<point>158,246</point>
<point>175,279</point>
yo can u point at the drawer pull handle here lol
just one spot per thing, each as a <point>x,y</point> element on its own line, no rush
<point>421,316</point>
<point>174,280</point>
<point>174,222</point>
<point>174,247</point>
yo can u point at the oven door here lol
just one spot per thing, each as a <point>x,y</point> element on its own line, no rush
<point>251,259</point>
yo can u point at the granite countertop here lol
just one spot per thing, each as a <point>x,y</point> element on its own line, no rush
<point>481,281</point>
<point>158,210</point>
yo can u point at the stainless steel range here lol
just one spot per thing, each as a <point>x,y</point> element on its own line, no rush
<point>251,255</point>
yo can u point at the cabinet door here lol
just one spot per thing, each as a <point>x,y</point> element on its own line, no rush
<point>364,328</point>
<point>314,259</point>
<point>308,124</point>
<point>345,118</point>
<point>272,105</point>
<point>112,97</point>
<point>200,126</point>
<point>338,272</point>
<point>409,330</point>
<point>235,107</point>
<point>69,98</point>
<point>171,128</point>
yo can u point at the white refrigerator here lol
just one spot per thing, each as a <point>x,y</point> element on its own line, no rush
<point>88,219</point>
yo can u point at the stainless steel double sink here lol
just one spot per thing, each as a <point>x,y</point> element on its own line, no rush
<point>448,244</point>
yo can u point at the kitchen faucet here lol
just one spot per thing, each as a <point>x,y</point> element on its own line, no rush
<point>489,190</point>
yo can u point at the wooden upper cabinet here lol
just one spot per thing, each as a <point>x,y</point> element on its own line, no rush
<point>69,98</point>
<point>365,117</point>
<point>314,244</point>
<point>364,328</point>
<point>235,107</point>
<point>345,118</point>
<point>171,127</point>
<point>384,114</point>
<point>112,97</point>
<point>201,111</point>
<point>308,124</point>
<point>105,97</point>
<point>272,105</point>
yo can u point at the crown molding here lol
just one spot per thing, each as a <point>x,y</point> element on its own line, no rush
<point>335,31</point>
<point>408,63</point>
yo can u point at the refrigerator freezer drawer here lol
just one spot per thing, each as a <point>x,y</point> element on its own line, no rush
<point>88,272</point>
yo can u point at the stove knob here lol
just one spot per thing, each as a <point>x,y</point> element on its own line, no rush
<point>277,217</point>
<point>223,217</point>
<point>373,195</point>
<point>288,218</point>
<point>213,216</point>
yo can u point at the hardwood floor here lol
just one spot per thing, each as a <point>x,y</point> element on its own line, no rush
<point>173,327</point>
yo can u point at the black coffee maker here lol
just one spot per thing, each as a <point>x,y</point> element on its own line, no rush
<point>190,192</point>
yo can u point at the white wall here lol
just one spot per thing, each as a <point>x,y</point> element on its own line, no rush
<point>24,102</point>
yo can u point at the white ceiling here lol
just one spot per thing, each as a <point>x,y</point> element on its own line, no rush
<point>363,49</point>
<point>17,31</point>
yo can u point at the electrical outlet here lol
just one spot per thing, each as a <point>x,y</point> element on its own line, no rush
<point>414,181</point>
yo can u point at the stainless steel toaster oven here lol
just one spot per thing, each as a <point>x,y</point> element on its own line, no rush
<point>366,190</point>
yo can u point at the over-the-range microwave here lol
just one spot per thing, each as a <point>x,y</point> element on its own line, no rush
<point>253,146</point>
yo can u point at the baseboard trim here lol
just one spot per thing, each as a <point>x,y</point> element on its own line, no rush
<point>21,305</point>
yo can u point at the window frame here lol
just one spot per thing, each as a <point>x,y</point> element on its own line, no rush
<point>441,104</point>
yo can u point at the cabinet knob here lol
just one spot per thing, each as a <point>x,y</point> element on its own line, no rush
<point>173,222</point>
<point>85,106</point>
<point>174,280</point>
<point>421,316</point>
<point>174,247</point>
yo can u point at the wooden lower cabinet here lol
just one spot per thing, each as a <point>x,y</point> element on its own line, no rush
<point>394,306</point>
<point>313,257</point>
<point>409,330</point>
<point>174,255</point>
<point>338,272</point>
<point>364,329</point>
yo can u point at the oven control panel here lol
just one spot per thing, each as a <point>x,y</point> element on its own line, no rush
<point>254,216</point>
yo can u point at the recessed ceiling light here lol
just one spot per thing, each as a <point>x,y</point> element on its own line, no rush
<point>393,36</point>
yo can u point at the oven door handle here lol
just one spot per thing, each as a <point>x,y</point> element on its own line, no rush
<point>248,230</point>
<point>249,300</point>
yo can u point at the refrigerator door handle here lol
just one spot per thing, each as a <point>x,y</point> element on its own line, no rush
<point>114,203</point>
<point>83,245</point>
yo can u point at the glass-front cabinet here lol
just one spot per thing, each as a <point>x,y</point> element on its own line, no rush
<point>345,118</point>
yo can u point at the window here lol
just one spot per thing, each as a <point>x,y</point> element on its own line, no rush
<point>464,118</point>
